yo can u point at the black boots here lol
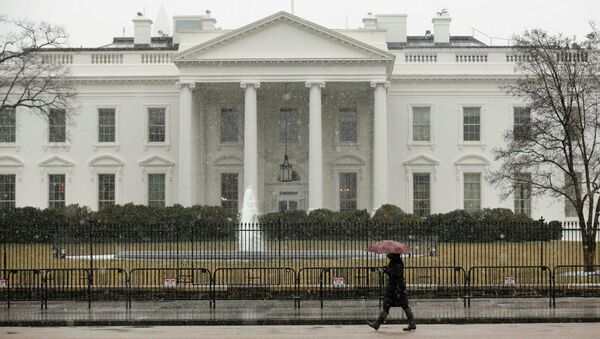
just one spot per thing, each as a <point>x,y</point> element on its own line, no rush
<point>411,320</point>
<point>374,324</point>
<point>410,327</point>
<point>409,316</point>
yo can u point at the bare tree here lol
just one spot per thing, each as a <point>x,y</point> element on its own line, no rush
<point>556,152</point>
<point>29,77</point>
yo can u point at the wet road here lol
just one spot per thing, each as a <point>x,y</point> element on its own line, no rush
<point>557,330</point>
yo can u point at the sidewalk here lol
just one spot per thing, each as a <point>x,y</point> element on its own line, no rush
<point>542,331</point>
<point>283,313</point>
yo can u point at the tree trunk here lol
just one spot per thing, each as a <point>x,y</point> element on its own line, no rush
<point>589,251</point>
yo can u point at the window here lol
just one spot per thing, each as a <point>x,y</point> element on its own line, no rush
<point>570,210</point>
<point>57,125</point>
<point>56,191</point>
<point>156,124</point>
<point>348,126</point>
<point>421,194</point>
<point>156,190</point>
<point>229,191</point>
<point>7,191</point>
<point>421,122</point>
<point>288,201</point>
<point>106,190</point>
<point>347,191</point>
<point>229,125</point>
<point>522,194</point>
<point>8,125</point>
<point>288,125</point>
<point>106,125</point>
<point>471,123</point>
<point>522,120</point>
<point>472,192</point>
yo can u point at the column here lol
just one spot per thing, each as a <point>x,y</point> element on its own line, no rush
<point>380,144</point>
<point>315,147</point>
<point>250,138</point>
<point>186,145</point>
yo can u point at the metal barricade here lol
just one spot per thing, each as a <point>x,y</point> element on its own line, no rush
<point>169,284</point>
<point>351,283</point>
<point>509,282</point>
<point>254,283</point>
<point>430,282</point>
<point>575,281</point>
<point>25,285</point>
<point>86,284</point>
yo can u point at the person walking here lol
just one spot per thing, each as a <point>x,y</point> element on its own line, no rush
<point>395,293</point>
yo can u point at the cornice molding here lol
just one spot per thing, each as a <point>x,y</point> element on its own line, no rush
<point>121,79</point>
<point>267,61</point>
<point>457,77</point>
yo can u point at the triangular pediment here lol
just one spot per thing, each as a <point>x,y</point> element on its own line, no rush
<point>421,160</point>
<point>156,161</point>
<point>282,36</point>
<point>56,161</point>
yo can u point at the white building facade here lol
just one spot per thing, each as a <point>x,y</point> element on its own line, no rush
<point>365,116</point>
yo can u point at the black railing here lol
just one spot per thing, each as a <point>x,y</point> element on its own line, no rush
<point>95,261</point>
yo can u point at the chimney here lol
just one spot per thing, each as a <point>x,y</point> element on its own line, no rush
<point>370,22</point>
<point>208,22</point>
<point>441,27</point>
<point>142,27</point>
<point>395,26</point>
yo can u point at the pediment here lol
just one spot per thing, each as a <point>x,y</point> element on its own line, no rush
<point>421,160</point>
<point>228,160</point>
<point>56,161</point>
<point>106,161</point>
<point>10,161</point>
<point>282,36</point>
<point>156,161</point>
<point>472,159</point>
<point>350,160</point>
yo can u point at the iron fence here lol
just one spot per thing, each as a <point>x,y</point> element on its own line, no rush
<point>98,261</point>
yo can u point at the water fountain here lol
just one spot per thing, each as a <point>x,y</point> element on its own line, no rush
<point>250,237</point>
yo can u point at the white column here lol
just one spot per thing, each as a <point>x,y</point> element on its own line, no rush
<point>186,145</point>
<point>315,147</point>
<point>250,137</point>
<point>380,144</point>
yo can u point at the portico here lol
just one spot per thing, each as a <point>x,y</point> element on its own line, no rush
<point>340,74</point>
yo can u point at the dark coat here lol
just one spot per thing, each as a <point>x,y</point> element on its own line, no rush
<point>395,290</point>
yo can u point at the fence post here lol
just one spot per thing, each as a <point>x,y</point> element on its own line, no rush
<point>541,241</point>
<point>279,240</point>
<point>91,273</point>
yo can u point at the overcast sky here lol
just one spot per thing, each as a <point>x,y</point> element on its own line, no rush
<point>94,23</point>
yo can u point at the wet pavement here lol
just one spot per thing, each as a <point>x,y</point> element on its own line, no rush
<point>154,313</point>
<point>537,330</point>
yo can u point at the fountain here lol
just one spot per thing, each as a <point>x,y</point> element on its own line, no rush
<point>250,238</point>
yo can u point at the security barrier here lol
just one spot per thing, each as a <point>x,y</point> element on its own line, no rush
<point>339,283</point>
<point>254,283</point>
<point>170,284</point>
<point>509,281</point>
<point>284,283</point>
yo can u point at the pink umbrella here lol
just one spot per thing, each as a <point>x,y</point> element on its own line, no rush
<point>388,246</point>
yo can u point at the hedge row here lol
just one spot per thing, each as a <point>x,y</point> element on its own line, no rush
<point>130,222</point>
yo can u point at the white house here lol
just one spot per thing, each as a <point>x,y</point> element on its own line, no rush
<point>365,116</point>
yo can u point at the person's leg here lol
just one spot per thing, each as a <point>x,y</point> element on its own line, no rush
<point>409,315</point>
<point>382,315</point>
